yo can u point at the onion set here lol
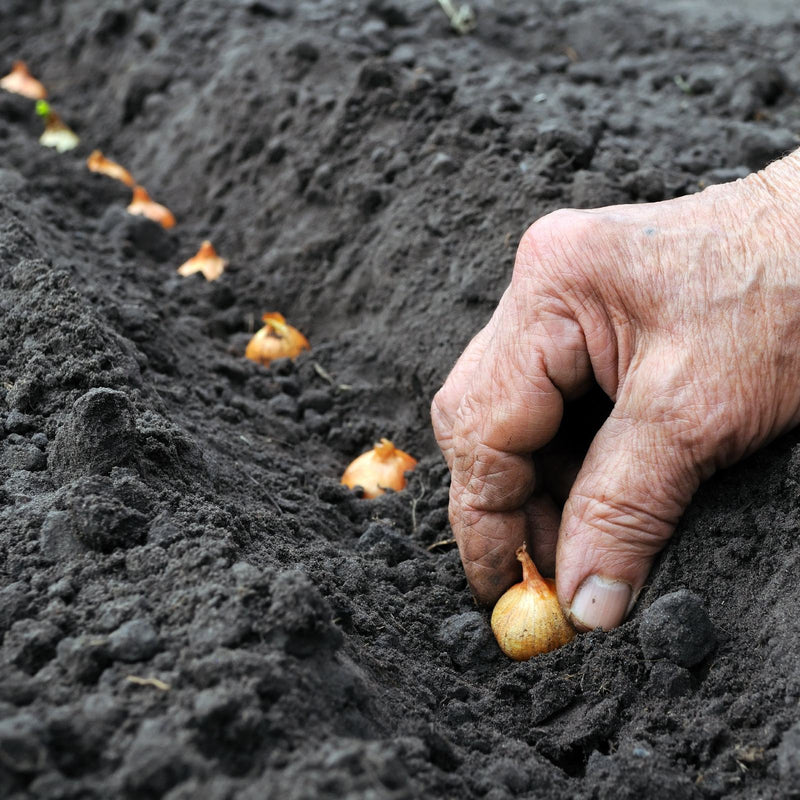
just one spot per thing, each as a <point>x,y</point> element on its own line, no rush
<point>206,261</point>
<point>528,619</point>
<point>97,162</point>
<point>57,134</point>
<point>381,468</point>
<point>141,205</point>
<point>20,81</point>
<point>277,339</point>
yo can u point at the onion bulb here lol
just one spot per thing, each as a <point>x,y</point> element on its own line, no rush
<point>141,205</point>
<point>20,81</point>
<point>97,162</point>
<point>57,134</point>
<point>277,339</point>
<point>528,619</point>
<point>206,261</point>
<point>381,468</point>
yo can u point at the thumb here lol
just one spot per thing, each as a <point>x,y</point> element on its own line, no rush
<point>635,483</point>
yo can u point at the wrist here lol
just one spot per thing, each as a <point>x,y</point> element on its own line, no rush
<point>776,192</point>
<point>772,232</point>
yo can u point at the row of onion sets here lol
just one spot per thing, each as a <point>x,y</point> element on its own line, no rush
<point>527,620</point>
<point>381,468</point>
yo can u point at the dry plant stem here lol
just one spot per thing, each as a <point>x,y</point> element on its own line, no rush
<point>154,682</point>
<point>440,543</point>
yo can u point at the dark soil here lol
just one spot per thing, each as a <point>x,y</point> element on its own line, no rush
<point>172,511</point>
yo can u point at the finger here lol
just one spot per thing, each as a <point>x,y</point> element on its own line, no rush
<point>511,408</point>
<point>635,483</point>
<point>446,401</point>
<point>487,543</point>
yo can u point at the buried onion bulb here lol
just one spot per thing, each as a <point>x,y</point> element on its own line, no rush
<point>527,620</point>
<point>381,468</point>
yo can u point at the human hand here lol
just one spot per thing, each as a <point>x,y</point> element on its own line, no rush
<point>687,314</point>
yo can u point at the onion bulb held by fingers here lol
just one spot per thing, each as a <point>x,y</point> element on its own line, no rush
<point>20,81</point>
<point>381,468</point>
<point>277,339</point>
<point>528,619</point>
<point>206,261</point>
<point>97,162</point>
<point>142,206</point>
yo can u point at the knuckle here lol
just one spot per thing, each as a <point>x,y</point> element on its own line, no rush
<point>557,236</point>
<point>494,481</point>
<point>478,550</point>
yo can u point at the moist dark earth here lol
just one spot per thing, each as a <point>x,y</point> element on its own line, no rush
<point>190,603</point>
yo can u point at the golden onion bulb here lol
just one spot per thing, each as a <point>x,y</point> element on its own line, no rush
<point>381,468</point>
<point>206,261</point>
<point>527,620</point>
<point>277,339</point>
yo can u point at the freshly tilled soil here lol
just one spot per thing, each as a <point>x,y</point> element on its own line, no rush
<point>190,603</point>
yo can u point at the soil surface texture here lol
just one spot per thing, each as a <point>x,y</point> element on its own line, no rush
<point>191,606</point>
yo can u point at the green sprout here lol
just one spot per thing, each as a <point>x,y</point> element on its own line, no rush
<point>43,108</point>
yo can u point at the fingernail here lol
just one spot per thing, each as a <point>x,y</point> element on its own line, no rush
<point>600,603</point>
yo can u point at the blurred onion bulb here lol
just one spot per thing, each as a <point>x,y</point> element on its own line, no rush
<point>57,134</point>
<point>20,81</point>
<point>97,162</point>
<point>381,468</point>
<point>528,619</point>
<point>206,261</point>
<point>142,205</point>
<point>277,339</point>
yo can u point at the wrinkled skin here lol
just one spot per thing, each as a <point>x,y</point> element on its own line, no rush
<point>687,314</point>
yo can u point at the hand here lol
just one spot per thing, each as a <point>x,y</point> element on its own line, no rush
<point>687,314</point>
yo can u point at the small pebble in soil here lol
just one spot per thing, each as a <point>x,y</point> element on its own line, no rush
<point>283,405</point>
<point>442,164</point>
<point>83,658</point>
<point>468,639</point>
<point>382,540</point>
<point>136,640</point>
<point>677,627</point>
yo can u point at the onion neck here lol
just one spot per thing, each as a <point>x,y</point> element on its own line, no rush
<point>530,575</point>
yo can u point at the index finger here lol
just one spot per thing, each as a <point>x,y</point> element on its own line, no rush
<point>512,407</point>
